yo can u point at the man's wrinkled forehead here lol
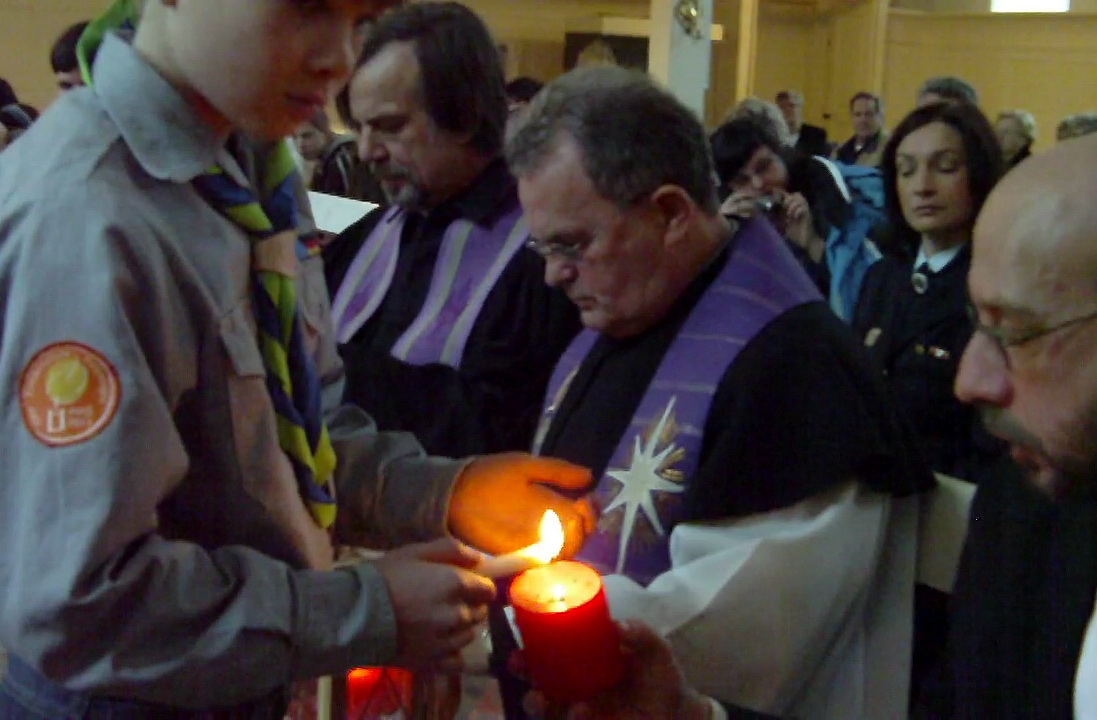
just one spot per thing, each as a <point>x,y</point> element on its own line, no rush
<point>1035,246</point>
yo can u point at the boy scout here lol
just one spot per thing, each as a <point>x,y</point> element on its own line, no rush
<point>168,481</point>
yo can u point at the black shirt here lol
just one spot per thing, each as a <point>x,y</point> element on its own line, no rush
<point>799,410</point>
<point>491,402</point>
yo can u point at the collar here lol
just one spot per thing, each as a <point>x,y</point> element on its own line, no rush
<point>939,261</point>
<point>484,198</point>
<point>868,145</point>
<point>161,129</point>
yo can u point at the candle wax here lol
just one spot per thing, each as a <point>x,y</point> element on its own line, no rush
<point>571,646</point>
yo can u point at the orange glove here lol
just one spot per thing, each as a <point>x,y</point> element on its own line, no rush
<point>498,501</point>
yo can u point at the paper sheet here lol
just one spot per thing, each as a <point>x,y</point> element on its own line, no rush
<point>335,214</point>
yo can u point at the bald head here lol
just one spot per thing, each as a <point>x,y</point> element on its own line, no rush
<point>1032,367</point>
<point>1035,242</point>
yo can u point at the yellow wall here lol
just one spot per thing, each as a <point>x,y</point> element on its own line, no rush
<point>1046,64</point>
<point>533,31</point>
<point>828,57</point>
<point>788,58</point>
<point>27,31</point>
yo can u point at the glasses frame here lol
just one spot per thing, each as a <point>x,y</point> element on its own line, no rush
<point>1004,339</point>
<point>569,253</point>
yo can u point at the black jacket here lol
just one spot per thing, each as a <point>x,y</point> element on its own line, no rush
<point>917,340</point>
<point>492,401</point>
<point>1022,601</point>
<point>813,141</point>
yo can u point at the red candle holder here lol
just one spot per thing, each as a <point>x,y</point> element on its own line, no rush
<point>571,646</point>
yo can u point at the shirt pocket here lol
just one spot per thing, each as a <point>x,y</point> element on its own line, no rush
<point>238,338</point>
<point>266,475</point>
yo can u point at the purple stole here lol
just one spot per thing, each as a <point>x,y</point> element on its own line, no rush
<point>641,491</point>
<point>470,261</point>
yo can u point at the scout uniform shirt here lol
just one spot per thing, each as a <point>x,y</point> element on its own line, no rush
<point>153,534</point>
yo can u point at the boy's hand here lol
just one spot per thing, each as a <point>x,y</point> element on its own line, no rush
<point>437,601</point>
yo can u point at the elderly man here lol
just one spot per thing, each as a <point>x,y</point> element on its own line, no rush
<point>1024,640</point>
<point>1026,586</point>
<point>1075,126</point>
<point>747,468</point>
<point>436,294</point>
<point>866,147</point>
<point>1016,131</point>
<point>806,139</point>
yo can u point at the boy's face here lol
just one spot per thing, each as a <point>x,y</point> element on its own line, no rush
<point>265,66</point>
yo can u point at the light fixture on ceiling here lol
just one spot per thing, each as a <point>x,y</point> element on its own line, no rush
<point>1029,6</point>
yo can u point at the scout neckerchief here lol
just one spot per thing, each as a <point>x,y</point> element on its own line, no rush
<point>291,378</point>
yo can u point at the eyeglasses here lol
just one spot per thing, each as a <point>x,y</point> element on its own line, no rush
<point>1004,339</point>
<point>572,252</point>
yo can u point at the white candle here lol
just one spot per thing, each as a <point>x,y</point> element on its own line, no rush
<point>541,552</point>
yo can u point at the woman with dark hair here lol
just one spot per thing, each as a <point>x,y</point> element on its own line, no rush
<point>825,221</point>
<point>939,167</point>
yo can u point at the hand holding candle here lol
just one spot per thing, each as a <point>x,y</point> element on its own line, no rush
<point>438,603</point>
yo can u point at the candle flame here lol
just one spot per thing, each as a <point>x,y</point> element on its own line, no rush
<point>559,593</point>
<point>551,540</point>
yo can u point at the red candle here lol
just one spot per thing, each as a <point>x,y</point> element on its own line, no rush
<point>571,646</point>
<point>374,691</point>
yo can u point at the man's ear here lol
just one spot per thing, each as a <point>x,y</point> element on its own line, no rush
<point>677,209</point>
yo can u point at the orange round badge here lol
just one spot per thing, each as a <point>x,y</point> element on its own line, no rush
<point>68,393</point>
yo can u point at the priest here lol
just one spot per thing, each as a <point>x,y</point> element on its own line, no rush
<point>756,492</point>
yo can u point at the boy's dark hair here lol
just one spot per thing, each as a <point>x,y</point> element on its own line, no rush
<point>523,89</point>
<point>63,55</point>
<point>736,141</point>
<point>7,95</point>
<point>460,72</point>
<point>983,157</point>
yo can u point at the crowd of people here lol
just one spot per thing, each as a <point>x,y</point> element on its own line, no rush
<point>731,360</point>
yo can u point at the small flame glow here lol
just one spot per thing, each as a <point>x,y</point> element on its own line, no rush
<point>551,540</point>
<point>559,593</point>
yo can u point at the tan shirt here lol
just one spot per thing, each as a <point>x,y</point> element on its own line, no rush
<point>162,557</point>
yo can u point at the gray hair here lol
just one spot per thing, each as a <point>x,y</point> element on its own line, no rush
<point>950,88</point>
<point>764,112</point>
<point>633,135</point>
<point>1024,118</point>
<point>1073,126</point>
